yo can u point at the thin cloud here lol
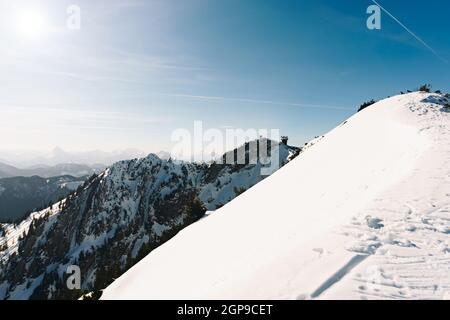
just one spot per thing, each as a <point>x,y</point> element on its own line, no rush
<point>412,33</point>
<point>256,101</point>
<point>85,77</point>
<point>51,116</point>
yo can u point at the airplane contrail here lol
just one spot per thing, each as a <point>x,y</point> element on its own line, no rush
<point>411,33</point>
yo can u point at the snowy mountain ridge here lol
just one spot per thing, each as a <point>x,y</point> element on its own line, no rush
<point>113,220</point>
<point>372,220</point>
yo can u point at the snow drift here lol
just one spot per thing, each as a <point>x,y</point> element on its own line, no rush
<point>364,213</point>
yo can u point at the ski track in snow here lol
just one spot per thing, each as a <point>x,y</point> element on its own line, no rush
<point>371,221</point>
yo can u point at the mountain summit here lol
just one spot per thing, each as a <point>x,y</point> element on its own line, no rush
<point>363,213</point>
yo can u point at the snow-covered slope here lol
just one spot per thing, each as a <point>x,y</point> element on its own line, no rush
<point>363,213</point>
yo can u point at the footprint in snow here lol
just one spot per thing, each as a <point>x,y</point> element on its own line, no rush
<point>319,251</point>
<point>374,223</point>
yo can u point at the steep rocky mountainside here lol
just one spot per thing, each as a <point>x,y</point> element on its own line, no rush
<point>19,196</point>
<point>113,220</point>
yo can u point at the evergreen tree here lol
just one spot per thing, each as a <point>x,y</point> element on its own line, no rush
<point>425,88</point>
<point>195,209</point>
<point>366,104</point>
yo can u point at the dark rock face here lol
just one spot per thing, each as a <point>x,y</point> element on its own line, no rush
<point>112,221</point>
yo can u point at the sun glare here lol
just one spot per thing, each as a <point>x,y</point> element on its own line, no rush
<point>30,24</point>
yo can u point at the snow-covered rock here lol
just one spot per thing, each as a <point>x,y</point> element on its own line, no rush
<point>364,213</point>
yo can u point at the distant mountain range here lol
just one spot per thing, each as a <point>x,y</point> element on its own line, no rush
<point>45,171</point>
<point>24,159</point>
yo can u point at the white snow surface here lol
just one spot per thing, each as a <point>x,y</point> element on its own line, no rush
<point>364,213</point>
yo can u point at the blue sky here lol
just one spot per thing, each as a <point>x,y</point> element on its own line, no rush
<point>137,70</point>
